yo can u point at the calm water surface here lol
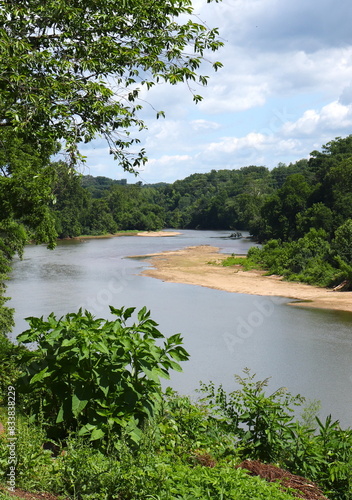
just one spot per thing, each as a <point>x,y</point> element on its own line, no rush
<point>309,351</point>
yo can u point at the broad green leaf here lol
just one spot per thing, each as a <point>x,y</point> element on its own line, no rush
<point>68,342</point>
<point>128,312</point>
<point>86,429</point>
<point>102,347</point>
<point>175,366</point>
<point>78,405</point>
<point>97,434</point>
<point>179,353</point>
<point>142,314</point>
<point>40,375</point>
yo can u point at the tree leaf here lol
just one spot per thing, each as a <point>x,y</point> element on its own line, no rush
<point>40,375</point>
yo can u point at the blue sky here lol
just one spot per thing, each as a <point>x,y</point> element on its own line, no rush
<point>284,91</point>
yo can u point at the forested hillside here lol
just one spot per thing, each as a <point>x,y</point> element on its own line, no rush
<point>284,202</point>
<point>303,211</point>
<point>223,199</point>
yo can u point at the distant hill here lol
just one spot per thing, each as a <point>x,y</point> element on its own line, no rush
<point>98,186</point>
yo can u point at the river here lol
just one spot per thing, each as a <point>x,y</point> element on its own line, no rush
<point>309,351</point>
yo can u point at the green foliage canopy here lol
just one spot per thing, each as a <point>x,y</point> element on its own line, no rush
<point>72,70</point>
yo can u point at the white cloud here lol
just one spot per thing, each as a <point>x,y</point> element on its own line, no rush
<point>201,124</point>
<point>332,117</point>
<point>285,90</point>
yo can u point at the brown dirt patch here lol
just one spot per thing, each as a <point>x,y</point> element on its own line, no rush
<point>303,487</point>
<point>26,495</point>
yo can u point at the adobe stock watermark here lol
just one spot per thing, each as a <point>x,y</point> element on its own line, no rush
<point>278,118</point>
<point>246,326</point>
<point>11,438</point>
<point>107,295</point>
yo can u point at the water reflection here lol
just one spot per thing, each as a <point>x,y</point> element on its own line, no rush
<point>307,350</point>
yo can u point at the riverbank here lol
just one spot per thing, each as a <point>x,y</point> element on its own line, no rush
<point>192,266</point>
<point>136,232</point>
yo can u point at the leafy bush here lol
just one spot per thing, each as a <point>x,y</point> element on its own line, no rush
<point>9,355</point>
<point>259,422</point>
<point>342,242</point>
<point>190,450</point>
<point>96,376</point>
<point>185,426</point>
<point>87,474</point>
<point>265,429</point>
<point>309,259</point>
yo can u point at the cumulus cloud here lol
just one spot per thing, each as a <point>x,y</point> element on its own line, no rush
<point>332,117</point>
<point>285,89</point>
<point>201,125</point>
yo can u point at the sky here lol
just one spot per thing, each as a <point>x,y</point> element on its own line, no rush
<point>284,91</point>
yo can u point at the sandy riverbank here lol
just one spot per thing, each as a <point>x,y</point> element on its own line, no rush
<point>125,233</point>
<point>158,233</point>
<point>191,266</point>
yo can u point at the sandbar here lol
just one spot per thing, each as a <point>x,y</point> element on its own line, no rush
<point>192,265</point>
<point>158,233</point>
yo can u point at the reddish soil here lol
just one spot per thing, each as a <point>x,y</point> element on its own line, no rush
<point>25,495</point>
<point>304,488</point>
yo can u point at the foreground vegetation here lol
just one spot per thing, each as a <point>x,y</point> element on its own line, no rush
<point>93,421</point>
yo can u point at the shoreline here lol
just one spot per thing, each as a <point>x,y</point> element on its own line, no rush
<point>192,266</point>
<point>160,234</point>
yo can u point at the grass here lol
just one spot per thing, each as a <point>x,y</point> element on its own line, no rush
<point>244,262</point>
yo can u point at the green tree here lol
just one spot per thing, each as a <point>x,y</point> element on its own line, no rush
<point>338,189</point>
<point>332,153</point>
<point>73,70</point>
<point>99,219</point>
<point>318,216</point>
<point>71,200</point>
<point>25,194</point>
<point>342,243</point>
<point>279,212</point>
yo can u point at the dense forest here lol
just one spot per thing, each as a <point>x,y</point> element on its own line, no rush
<point>223,199</point>
<point>284,202</point>
<point>301,212</point>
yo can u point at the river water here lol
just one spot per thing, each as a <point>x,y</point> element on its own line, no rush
<point>309,351</point>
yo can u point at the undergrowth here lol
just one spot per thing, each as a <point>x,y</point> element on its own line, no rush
<point>190,450</point>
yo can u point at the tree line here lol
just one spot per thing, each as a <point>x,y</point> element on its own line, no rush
<point>223,199</point>
<point>283,203</point>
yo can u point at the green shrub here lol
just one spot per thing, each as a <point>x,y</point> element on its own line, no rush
<point>185,426</point>
<point>265,429</point>
<point>308,260</point>
<point>259,422</point>
<point>89,475</point>
<point>95,376</point>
